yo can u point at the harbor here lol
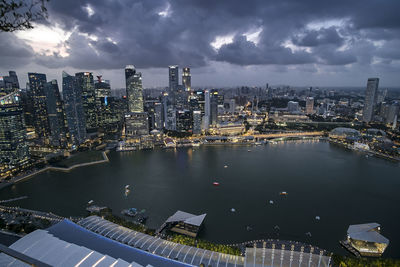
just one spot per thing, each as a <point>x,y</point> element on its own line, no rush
<point>247,185</point>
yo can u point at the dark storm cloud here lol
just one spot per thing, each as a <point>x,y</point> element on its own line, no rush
<point>133,32</point>
<point>315,38</point>
<point>244,52</point>
<point>13,51</point>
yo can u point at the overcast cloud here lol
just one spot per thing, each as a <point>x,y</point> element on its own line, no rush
<point>226,43</point>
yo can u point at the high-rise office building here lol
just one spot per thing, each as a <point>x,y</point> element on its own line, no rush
<point>186,79</point>
<point>181,98</point>
<point>214,98</point>
<point>136,124</point>
<point>102,94</point>
<point>41,122</point>
<point>85,83</point>
<point>207,109</point>
<point>29,111</point>
<point>8,84</point>
<point>309,105</point>
<point>102,88</point>
<point>370,99</point>
<point>196,122</point>
<point>55,112</point>
<point>72,96</point>
<point>14,150</point>
<point>158,119</point>
<point>232,105</point>
<point>184,121</point>
<point>173,78</point>
<point>134,89</point>
<point>393,110</point>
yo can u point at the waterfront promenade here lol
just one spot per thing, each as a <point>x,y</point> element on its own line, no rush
<point>368,152</point>
<point>24,177</point>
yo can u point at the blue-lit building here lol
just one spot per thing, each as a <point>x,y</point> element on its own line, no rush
<point>55,112</point>
<point>72,97</point>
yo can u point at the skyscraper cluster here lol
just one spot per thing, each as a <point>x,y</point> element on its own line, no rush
<point>40,118</point>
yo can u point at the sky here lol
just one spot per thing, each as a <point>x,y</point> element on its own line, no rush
<point>225,43</point>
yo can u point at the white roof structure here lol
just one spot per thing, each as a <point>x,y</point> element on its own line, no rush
<point>181,216</point>
<point>43,246</point>
<point>366,232</point>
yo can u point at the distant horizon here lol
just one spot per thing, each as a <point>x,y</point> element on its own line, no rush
<point>23,79</point>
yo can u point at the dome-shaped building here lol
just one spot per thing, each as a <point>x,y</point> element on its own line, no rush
<point>344,133</point>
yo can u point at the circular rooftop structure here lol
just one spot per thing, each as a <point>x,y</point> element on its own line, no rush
<point>342,132</point>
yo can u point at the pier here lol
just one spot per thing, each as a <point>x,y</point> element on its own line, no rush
<point>12,199</point>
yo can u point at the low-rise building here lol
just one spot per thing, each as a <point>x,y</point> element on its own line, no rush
<point>366,239</point>
<point>185,223</point>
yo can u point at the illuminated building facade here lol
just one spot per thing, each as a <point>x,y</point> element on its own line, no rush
<point>196,122</point>
<point>186,79</point>
<point>14,150</point>
<point>85,83</point>
<point>8,84</point>
<point>366,239</point>
<point>173,72</point>
<point>134,89</point>
<point>41,122</point>
<point>72,96</point>
<point>184,121</point>
<point>136,124</point>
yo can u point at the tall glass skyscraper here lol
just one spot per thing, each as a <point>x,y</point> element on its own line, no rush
<point>186,79</point>
<point>41,122</point>
<point>84,80</point>
<point>14,150</point>
<point>173,78</point>
<point>9,84</point>
<point>134,89</point>
<point>370,99</point>
<point>72,96</point>
<point>55,111</point>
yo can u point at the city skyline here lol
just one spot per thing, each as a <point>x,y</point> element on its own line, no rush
<point>331,44</point>
<point>199,133</point>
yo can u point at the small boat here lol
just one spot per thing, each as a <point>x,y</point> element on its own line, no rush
<point>226,166</point>
<point>90,202</point>
<point>215,183</point>
<point>249,150</point>
<point>283,193</point>
<point>317,218</point>
<point>233,210</point>
<point>271,202</point>
<point>127,191</point>
<point>129,212</point>
<point>127,186</point>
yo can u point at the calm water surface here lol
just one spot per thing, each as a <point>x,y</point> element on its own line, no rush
<point>340,186</point>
